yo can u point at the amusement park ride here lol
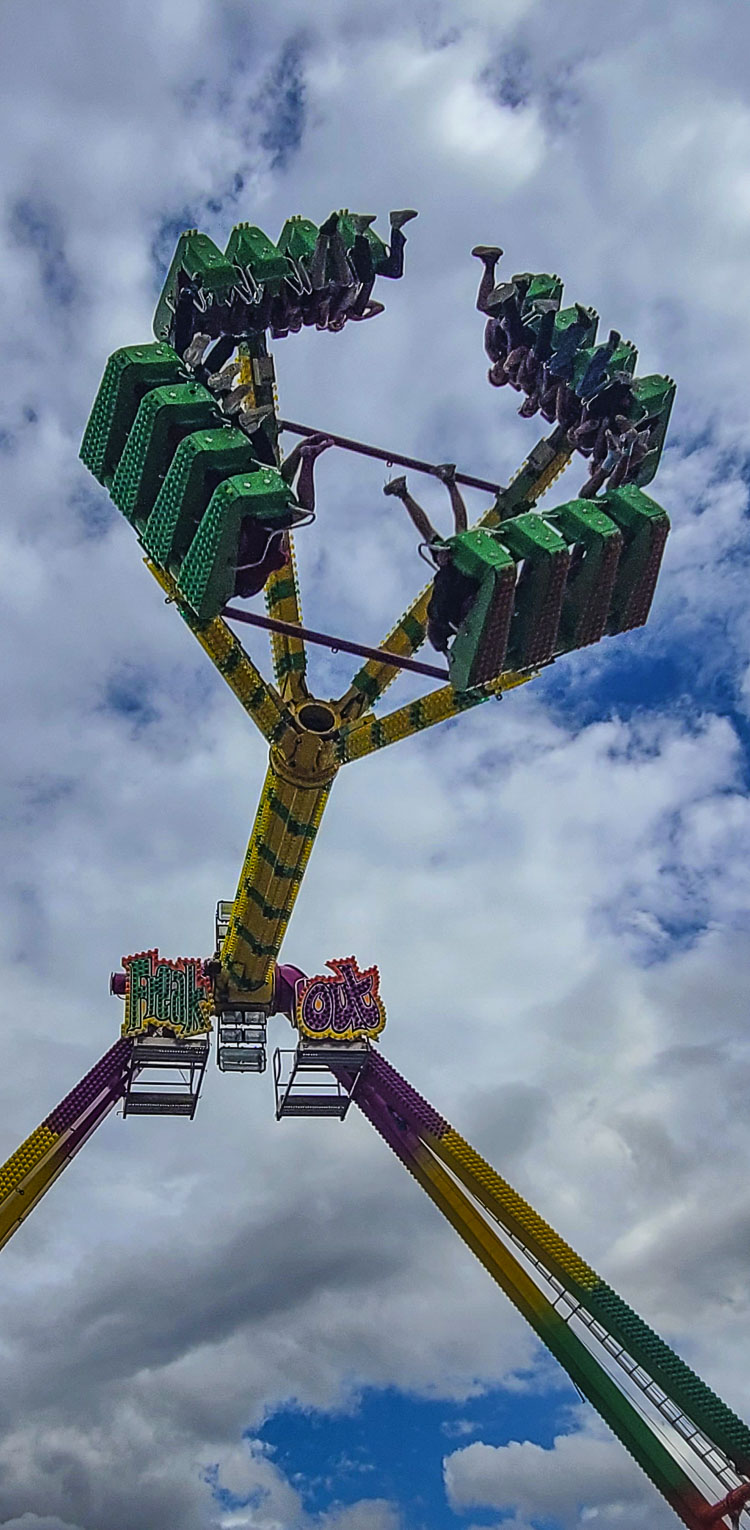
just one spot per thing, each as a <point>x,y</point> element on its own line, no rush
<point>185,434</point>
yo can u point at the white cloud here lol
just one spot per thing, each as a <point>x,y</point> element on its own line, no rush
<point>583,1478</point>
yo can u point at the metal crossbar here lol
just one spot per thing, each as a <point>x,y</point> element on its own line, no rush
<point>325,640</point>
<point>379,452</point>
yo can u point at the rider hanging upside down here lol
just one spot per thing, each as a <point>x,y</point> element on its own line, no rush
<point>452,591</point>
<point>261,551</point>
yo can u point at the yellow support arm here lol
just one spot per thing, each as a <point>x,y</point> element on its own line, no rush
<point>544,464</point>
<point>630,1425</point>
<point>260,699</point>
<point>288,652</point>
<point>301,771</point>
<point>369,733</point>
<point>36,1164</point>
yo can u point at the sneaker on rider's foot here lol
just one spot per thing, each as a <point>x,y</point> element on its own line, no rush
<point>404,215</point>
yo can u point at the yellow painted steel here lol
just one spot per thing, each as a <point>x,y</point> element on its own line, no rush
<point>16,1204</point>
<point>374,677</point>
<point>287,651</point>
<point>282,588</point>
<point>303,761</point>
<point>260,699</point>
<point>299,778</point>
<point>369,733</point>
<point>541,484</point>
<point>592,1380</point>
<point>513,1212</point>
<point>25,1159</point>
<point>29,1172</point>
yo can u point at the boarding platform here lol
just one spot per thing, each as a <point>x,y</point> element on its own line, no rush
<point>305,1084</point>
<point>165,1076</point>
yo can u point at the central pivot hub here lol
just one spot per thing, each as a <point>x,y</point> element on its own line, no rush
<point>317,717</point>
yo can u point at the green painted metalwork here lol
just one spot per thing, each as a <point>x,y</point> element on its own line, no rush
<point>200,463</point>
<point>297,238</point>
<point>478,650</point>
<point>205,265</point>
<point>652,401</point>
<point>539,591</point>
<point>165,416</point>
<point>256,255</point>
<point>207,573</point>
<point>596,543</point>
<point>645,527</point>
<point>130,373</point>
<point>536,288</point>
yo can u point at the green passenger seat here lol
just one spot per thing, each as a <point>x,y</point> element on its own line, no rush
<point>348,234</point>
<point>539,589</point>
<point>653,397</point>
<point>596,543</point>
<point>645,527</point>
<point>199,465</point>
<point>204,264</point>
<point>165,416</point>
<point>207,573</point>
<point>541,288</point>
<point>129,375</point>
<point>478,650</point>
<point>256,255</point>
<point>297,238</point>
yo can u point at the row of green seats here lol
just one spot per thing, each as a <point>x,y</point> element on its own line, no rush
<point>250,259</point>
<point>182,476</point>
<point>568,339</point>
<point>548,584</point>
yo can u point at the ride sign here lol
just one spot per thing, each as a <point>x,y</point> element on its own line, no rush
<point>171,995</point>
<point>345,1007</point>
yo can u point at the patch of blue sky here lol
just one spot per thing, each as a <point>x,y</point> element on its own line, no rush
<point>129,694</point>
<point>216,204</point>
<point>35,226</point>
<point>165,238</point>
<point>508,79</point>
<point>652,937</point>
<point>650,670</point>
<point>282,104</point>
<point>197,215</point>
<point>36,799</point>
<point>392,1445</point>
<point>94,512</point>
<point>10,434</point>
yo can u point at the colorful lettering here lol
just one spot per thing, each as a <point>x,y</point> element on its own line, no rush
<point>345,1007</point>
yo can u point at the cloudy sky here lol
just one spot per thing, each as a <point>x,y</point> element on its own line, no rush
<point>254,1326</point>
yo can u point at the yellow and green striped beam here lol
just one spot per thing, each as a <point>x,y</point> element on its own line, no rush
<point>287,651</point>
<point>36,1164</point>
<point>286,823</point>
<point>259,698</point>
<point>456,1177</point>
